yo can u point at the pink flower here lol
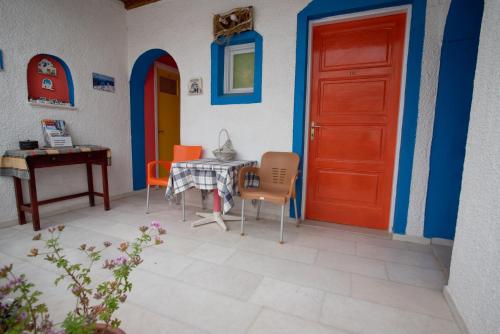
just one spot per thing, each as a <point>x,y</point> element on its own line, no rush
<point>155,224</point>
<point>120,260</point>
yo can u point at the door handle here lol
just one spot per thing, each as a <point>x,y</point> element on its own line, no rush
<point>161,131</point>
<point>313,129</point>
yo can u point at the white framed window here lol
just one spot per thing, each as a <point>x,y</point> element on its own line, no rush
<point>239,68</point>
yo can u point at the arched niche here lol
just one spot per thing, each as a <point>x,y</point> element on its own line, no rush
<point>49,82</point>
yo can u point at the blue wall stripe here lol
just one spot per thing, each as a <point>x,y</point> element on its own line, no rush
<point>217,70</point>
<point>69,78</point>
<point>324,8</point>
<point>137,80</point>
<point>451,123</point>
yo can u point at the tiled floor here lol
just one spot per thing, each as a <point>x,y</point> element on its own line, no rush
<point>324,279</point>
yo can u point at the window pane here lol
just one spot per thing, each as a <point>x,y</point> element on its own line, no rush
<point>243,70</point>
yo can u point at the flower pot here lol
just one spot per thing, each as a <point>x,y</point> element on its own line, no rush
<point>102,329</point>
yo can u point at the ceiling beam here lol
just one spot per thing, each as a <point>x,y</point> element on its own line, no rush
<point>129,4</point>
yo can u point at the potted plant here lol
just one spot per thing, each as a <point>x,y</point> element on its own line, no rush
<point>21,311</point>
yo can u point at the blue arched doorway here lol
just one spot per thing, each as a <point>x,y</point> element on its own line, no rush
<point>137,128</point>
<point>451,123</point>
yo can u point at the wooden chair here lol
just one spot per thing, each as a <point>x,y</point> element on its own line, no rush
<point>277,175</point>
<point>181,153</point>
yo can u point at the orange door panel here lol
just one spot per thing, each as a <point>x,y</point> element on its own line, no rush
<point>169,122</point>
<point>354,103</point>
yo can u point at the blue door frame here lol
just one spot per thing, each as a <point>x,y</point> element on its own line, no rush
<point>137,130</point>
<point>451,122</point>
<point>318,9</point>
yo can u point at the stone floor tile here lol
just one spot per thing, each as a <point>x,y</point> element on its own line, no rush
<point>194,306</point>
<point>410,298</point>
<point>212,253</point>
<point>283,251</point>
<point>402,256</point>
<point>289,298</point>
<point>352,264</point>
<point>229,281</point>
<point>273,322</point>
<point>292,272</point>
<point>164,262</point>
<point>418,276</point>
<point>135,319</point>
<point>358,316</point>
<point>326,243</point>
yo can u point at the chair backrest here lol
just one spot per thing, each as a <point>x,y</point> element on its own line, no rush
<point>277,169</point>
<point>186,153</point>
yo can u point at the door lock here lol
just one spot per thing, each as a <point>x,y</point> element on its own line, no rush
<point>313,129</point>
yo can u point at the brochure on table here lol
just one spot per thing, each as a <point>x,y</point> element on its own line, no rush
<point>56,133</point>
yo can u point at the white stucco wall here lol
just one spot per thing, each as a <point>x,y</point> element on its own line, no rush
<point>90,36</point>
<point>436,13</point>
<point>474,283</point>
<point>100,36</point>
<point>184,29</point>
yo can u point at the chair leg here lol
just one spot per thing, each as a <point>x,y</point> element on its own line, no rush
<point>184,206</point>
<point>258,210</point>
<point>242,232</point>
<point>147,199</point>
<point>282,220</point>
<point>297,218</point>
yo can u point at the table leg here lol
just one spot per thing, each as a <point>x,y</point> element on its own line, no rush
<point>184,206</point>
<point>19,200</point>
<point>34,201</point>
<point>90,182</point>
<point>216,216</point>
<point>105,190</point>
<point>218,211</point>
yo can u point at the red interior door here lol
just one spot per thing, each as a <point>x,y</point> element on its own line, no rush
<point>354,104</point>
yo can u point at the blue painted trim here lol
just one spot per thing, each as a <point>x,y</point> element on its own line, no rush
<point>137,80</point>
<point>217,70</point>
<point>69,78</point>
<point>318,9</point>
<point>451,122</point>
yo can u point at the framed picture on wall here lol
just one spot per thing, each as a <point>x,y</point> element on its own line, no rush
<point>103,82</point>
<point>195,86</point>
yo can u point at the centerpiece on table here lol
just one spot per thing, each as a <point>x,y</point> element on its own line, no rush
<point>22,312</point>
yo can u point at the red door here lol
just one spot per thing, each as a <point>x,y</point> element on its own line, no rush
<point>355,88</point>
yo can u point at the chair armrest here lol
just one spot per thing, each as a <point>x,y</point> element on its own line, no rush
<point>293,179</point>
<point>151,171</point>
<point>243,172</point>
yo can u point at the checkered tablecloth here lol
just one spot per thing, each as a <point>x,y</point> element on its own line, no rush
<point>208,174</point>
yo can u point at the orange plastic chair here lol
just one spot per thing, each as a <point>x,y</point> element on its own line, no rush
<point>277,174</point>
<point>181,153</point>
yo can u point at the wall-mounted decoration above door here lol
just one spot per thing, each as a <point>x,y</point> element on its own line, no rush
<point>1,60</point>
<point>103,82</point>
<point>233,22</point>
<point>195,86</point>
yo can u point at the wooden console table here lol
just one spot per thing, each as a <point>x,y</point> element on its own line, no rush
<point>21,164</point>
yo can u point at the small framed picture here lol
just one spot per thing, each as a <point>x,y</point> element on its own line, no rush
<point>47,84</point>
<point>195,86</point>
<point>103,82</point>
<point>1,60</point>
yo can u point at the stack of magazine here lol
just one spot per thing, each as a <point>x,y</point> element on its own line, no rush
<point>56,133</point>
